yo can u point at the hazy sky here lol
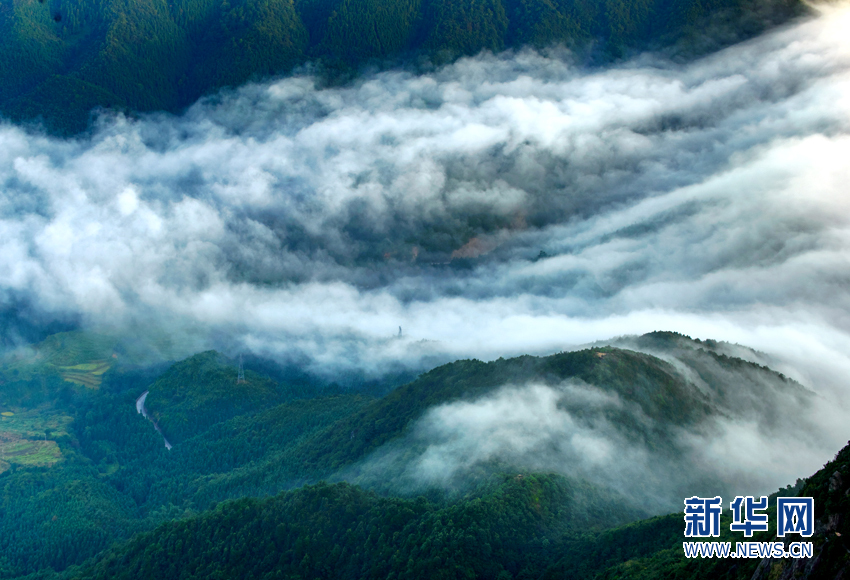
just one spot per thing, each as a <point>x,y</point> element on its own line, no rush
<point>708,199</point>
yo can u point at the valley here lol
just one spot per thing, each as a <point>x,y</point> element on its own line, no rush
<point>424,289</point>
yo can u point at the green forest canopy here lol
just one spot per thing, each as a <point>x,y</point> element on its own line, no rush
<point>230,497</point>
<point>59,59</point>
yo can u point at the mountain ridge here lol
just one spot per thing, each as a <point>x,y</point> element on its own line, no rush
<point>275,438</point>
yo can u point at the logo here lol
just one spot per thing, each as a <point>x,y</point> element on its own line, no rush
<point>744,516</point>
<point>795,515</point>
<point>702,517</point>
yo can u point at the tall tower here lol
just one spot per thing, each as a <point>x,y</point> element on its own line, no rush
<point>240,378</point>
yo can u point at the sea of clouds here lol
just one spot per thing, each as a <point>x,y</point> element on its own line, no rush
<point>500,205</point>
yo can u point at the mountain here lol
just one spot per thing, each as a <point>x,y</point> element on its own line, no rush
<point>733,377</point>
<point>340,531</point>
<point>830,488</point>
<point>200,391</point>
<point>661,410</point>
<point>497,467</point>
<point>61,59</point>
<point>514,530</point>
<point>659,557</point>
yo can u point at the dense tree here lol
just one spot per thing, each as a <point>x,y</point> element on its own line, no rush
<point>61,58</point>
<point>226,500</point>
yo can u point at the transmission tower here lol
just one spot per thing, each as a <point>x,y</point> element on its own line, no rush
<point>240,378</point>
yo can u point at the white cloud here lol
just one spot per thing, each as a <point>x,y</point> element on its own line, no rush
<point>708,198</point>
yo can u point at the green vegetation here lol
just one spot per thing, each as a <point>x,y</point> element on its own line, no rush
<point>653,384</point>
<point>466,26</point>
<point>52,517</point>
<point>27,438</point>
<point>201,391</point>
<point>88,374</point>
<point>29,451</point>
<point>518,527</point>
<point>340,531</point>
<point>87,488</point>
<point>59,59</point>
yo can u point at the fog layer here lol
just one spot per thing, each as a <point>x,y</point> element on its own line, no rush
<point>501,205</point>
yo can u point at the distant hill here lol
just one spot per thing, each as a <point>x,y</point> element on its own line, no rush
<point>684,392</point>
<point>202,390</point>
<point>61,58</point>
<point>81,471</point>
<point>733,377</point>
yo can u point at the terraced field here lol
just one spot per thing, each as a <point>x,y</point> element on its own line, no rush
<point>26,438</point>
<point>78,357</point>
<point>17,450</point>
<point>88,374</point>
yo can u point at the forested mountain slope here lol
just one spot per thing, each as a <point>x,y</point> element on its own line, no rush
<point>340,531</point>
<point>515,530</point>
<point>654,398</point>
<point>61,58</point>
<point>81,469</point>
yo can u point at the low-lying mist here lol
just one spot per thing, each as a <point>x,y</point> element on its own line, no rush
<point>734,429</point>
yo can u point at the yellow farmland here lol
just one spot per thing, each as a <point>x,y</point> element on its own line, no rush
<point>88,374</point>
<point>16,449</point>
<point>28,437</point>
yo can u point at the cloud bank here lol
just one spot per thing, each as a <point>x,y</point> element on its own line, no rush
<point>501,205</point>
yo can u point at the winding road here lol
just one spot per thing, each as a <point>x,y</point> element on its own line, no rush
<point>140,408</point>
